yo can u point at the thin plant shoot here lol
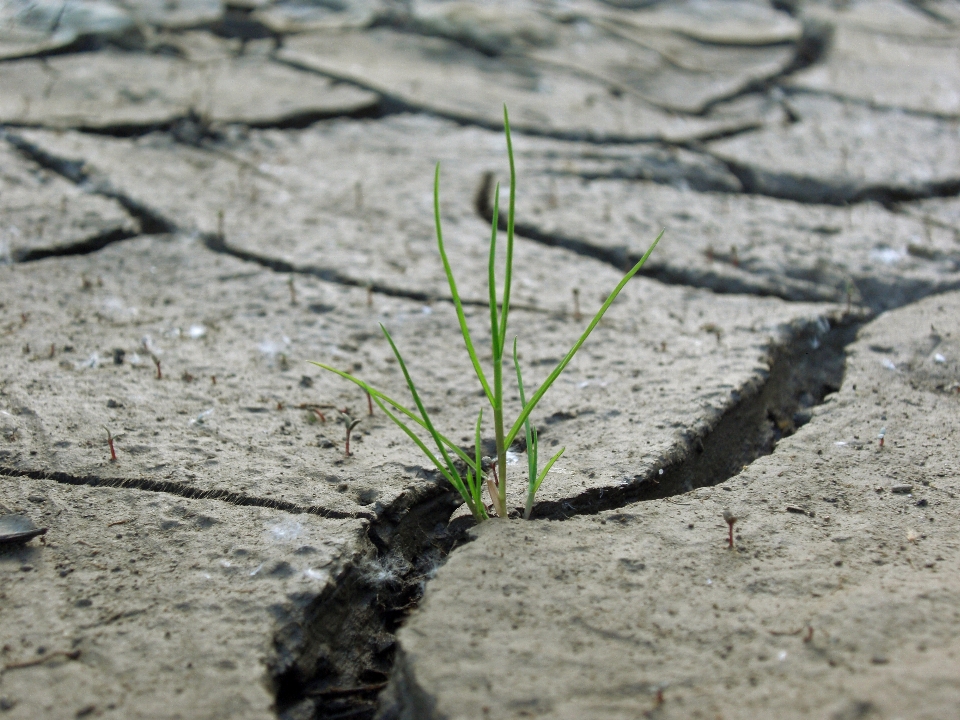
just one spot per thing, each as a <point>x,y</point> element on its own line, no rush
<point>466,473</point>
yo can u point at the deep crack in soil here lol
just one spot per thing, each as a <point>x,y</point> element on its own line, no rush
<point>337,665</point>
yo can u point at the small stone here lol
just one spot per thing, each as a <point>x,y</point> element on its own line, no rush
<point>922,502</point>
<point>879,660</point>
<point>902,489</point>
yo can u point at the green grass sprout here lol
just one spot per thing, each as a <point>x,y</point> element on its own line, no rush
<point>467,474</point>
<point>533,480</point>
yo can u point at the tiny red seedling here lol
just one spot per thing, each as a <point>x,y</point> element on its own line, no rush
<point>369,404</point>
<point>156,361</point>
<point>113,450</point>
<point>731,519</point>
<point>882,435</point>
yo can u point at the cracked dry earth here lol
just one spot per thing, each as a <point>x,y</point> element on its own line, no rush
<point>197,198</point>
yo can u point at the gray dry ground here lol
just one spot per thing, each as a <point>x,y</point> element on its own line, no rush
<point>230,191</point>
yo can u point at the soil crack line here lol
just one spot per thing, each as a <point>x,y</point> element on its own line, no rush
<point>185,491</point>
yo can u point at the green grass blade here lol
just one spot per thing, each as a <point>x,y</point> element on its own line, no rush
<point>492,279</point>
<point>528,426</point>
<point>450,473</point>
<point>464,330</point>
<point>478,487</point>
<point>416,399</point>
<point>528,408</point>
<point>508,274</point>
<point>374,393</point>
<point>546,469</point>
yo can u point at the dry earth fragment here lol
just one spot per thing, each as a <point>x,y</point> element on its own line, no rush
<point>116,90</point>
<point>444,77</point>
<point>733,242</point>
<point>45,214</point>
<point>146,605</point>
<point>830,154</point>
<point>889,55</point>
<point>844,609</point>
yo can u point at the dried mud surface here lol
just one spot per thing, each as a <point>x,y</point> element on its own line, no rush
<point>197,198</point>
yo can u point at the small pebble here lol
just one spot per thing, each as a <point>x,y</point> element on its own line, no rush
<point>26,568</point>
<point>902,489</point>
<point>922,502</point>
<point>879,660</point>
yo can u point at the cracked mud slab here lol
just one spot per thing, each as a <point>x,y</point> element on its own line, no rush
<point>837,152</point>
<point>34,27</point>
<point>207,316</point>
<point>45,214</point>
<point>444,77</point>
<point>111,90</point>
<point>145,605</point>
<point>682,56</point>
<point>738,243</point>
<point>836,601</point>
<point>888,54</point>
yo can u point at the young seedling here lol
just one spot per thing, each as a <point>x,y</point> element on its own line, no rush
<point>731,519</point>
<point>156,361</point>
<point>576,305</point>
<point>349,423</point>
<point>882,435</point>
<point>113,450</point>
<point>467,474</point>
<point>369,404</point>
